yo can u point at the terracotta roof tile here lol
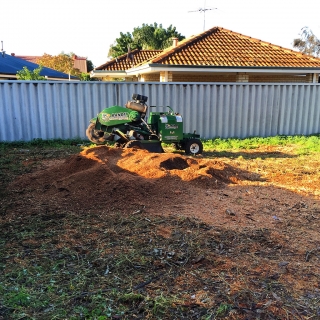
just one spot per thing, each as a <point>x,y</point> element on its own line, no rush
<point>222,47</point>
<point>124,63</point>
<point>216,47</point>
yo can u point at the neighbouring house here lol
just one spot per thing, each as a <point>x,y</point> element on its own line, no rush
<point>79,63</point>
<point>216,55</point>
<point>10,65</point>
<point>117,68</point>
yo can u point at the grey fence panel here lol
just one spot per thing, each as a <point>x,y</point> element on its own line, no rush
<point>48,110</point>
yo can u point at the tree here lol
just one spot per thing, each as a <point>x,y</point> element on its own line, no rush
<point>90,65</point>
<point>26,74</point>
<point>62,62</point>
<point>155,37</point>
<point>122,44</point>
<point>152,37</point>
<point>86,77</point>
<point>308,43</point>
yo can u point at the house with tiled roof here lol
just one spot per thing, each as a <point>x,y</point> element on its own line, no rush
<point>10,65</point>
<point>215,55</point>
<point>117,68</point>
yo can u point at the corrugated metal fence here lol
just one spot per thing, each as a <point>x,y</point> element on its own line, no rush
<point>48,110</point>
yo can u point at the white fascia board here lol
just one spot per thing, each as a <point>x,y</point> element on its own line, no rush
<point>144,69</point>
<point>106,73</point>
<point>3,75</point>
<point>150,68</point>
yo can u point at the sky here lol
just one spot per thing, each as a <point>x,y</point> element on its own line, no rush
<point>89,27</point>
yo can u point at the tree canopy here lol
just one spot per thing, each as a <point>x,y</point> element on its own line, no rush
<point>308,43</point>
<point>152,37</point>
<point>26,74</point>
<point>90,65</point>
<point>62,62</point>
<point>65,63</point>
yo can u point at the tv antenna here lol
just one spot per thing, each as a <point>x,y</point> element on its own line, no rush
<point>204,9</point>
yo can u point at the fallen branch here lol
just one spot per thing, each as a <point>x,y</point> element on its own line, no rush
<point>143,284</point>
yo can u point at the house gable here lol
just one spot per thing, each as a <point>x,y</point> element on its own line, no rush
<point>217,55</point>
<point>221,47</point>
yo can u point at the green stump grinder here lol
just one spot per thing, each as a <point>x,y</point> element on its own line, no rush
<point>127,127</point>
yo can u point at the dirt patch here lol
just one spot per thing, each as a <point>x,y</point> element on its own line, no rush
<point>128,180</point>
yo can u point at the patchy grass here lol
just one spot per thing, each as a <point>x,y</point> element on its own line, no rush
<point>101,265</point>
<point>96,266</point>
<point>301,144</point>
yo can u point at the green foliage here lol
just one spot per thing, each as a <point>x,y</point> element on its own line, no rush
<point>19,297</point>
<point>90,65</point>
<point>155,36</point>
<point>308,145</point>
<point>223,309</point>
<point>26,74</point>
<point>121,45</point>
<point>152,37</point>
<point>302,144</point>
<point>57,143</point>
<point>84,76</point>
<point>308,43</point>
<point>160,304</point>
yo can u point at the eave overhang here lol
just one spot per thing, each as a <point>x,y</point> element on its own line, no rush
<point>108,73</point>
<point>156,68</point>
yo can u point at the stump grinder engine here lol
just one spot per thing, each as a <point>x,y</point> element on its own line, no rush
<point>127,127</point>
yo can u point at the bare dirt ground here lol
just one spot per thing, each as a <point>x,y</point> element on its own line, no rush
<point>273,206</point>
<point>217,192</point>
